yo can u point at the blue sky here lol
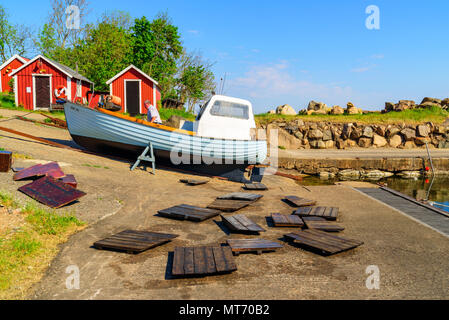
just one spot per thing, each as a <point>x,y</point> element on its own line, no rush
<point>277,52</point>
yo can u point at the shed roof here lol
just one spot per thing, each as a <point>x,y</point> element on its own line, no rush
<point>131,67</point>
<point>16,56</point>
<point>68,71</point>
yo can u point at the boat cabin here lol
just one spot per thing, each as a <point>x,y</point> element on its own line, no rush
<point>224,117</point>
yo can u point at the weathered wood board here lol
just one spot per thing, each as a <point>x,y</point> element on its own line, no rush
<point>193,182</point>
<point>255,186</point>
<point>329,213</point>
<point>283,220</point>
<point>133,241</point>
<point>202,261</point>
<point>239,223</point>
<point>241,196</point>
<point>299,202</point>
<point>322,241</point>
<point>319,223</point>
<point>188,212</point>
<point>252,245</point>
<point>51,192</point>
<point>229,205</point>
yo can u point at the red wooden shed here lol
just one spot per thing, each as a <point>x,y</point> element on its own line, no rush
<point>40,81</point>
<point>7,68</point>
<point>134,86</point>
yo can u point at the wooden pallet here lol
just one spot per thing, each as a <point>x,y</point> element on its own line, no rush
<point>133,241</point>
<point>299,202</point>
<point>193,182</point>
<point>319,223</point>
<point>252,245</point>
<point>283,220</point>
<point>255,186</point>
<point>322,241</point>
<point>229,205</point>
<point>239,223</point>
<point>241,196</point>
<point>329,213</point>
<point>202,261</point>
<point>187,212</point>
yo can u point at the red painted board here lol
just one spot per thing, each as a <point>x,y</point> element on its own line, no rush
<point>70,180</point>
<point>51,192</point>
<point>52,169</point>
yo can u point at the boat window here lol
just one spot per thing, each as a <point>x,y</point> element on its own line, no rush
<point>203,108</point>
<point>230,110</point>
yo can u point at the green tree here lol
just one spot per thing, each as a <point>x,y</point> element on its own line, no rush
<point>14,39</point>
<point>195,81</point>
<point>156,46</point>
<point>105,51</point>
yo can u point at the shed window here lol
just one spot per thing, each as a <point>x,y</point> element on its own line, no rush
<point>230,110</point>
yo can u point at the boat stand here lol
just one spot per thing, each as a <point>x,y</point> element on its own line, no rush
<point>145,157</point>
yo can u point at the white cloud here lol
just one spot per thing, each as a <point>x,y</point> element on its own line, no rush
<point>275,81</point>
<point>377,56</point>
<point>195,32</point>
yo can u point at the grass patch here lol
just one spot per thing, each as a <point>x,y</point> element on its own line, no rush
<point>7,200</point>
<point>167,113</point>
<point>26,253</point>
<point>21,156</point>
<point>434,114</point>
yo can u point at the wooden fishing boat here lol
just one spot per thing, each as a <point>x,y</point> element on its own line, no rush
<point>212,140</point>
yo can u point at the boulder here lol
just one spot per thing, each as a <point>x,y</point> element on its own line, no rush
<point>299,135</point>
<point>340,144</point>
<point>337,110</point>
<point>445,103</point>
<point>317,144</point>
<point>329,144</point>
<point>431,100</point>
<point>346,132</point>
<point>351,109</point>
<point>315,134</point>
<point>315,106</point>
<point>408,134</point>
<point>286,110</point>
<point>327,135</point>
<point>380,130</point>
<point>272,112</point>
<point>368,132</point>
<point>443,144</point>
<point>429,104</point>
<point>351,143</point>
<point>409,174</point>
<point>395,141</point>
<point>389,106</point>
<point>288,141</point>
<point>356,133</point>
<point>420,141</point>
<point>409,145</point>
<point>391,131</point>
<point>365,142</point>
<point>379,141</point>
<point>349,173</point>
<point>423,130</point>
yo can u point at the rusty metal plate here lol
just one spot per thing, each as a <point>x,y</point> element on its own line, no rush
<point>51,169</point>
<point>51,192</point>
<point>70,180</point>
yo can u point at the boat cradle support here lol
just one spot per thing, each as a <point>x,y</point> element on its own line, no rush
<point>144,157</point>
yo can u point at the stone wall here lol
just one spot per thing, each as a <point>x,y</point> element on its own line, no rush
<point>298,134</point>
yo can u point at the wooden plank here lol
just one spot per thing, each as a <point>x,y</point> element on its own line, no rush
<point>251,245</point>
<point>134,241</point>
<point>329,213</point>
<point>229,259</point>
<point>187,212</point>
<point>241,196</point>
<point>229,205</point>
<point>319,223</point>
<point>323,241</point>
<point>249,224</point>
<point>299,202</point>
<point>178,261</point>
<point>199,260</point>
<point>189,263</point>
<point>255,186</point>
<point>210,262</point>
<point>281,220</point>
<point>194,182</point>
